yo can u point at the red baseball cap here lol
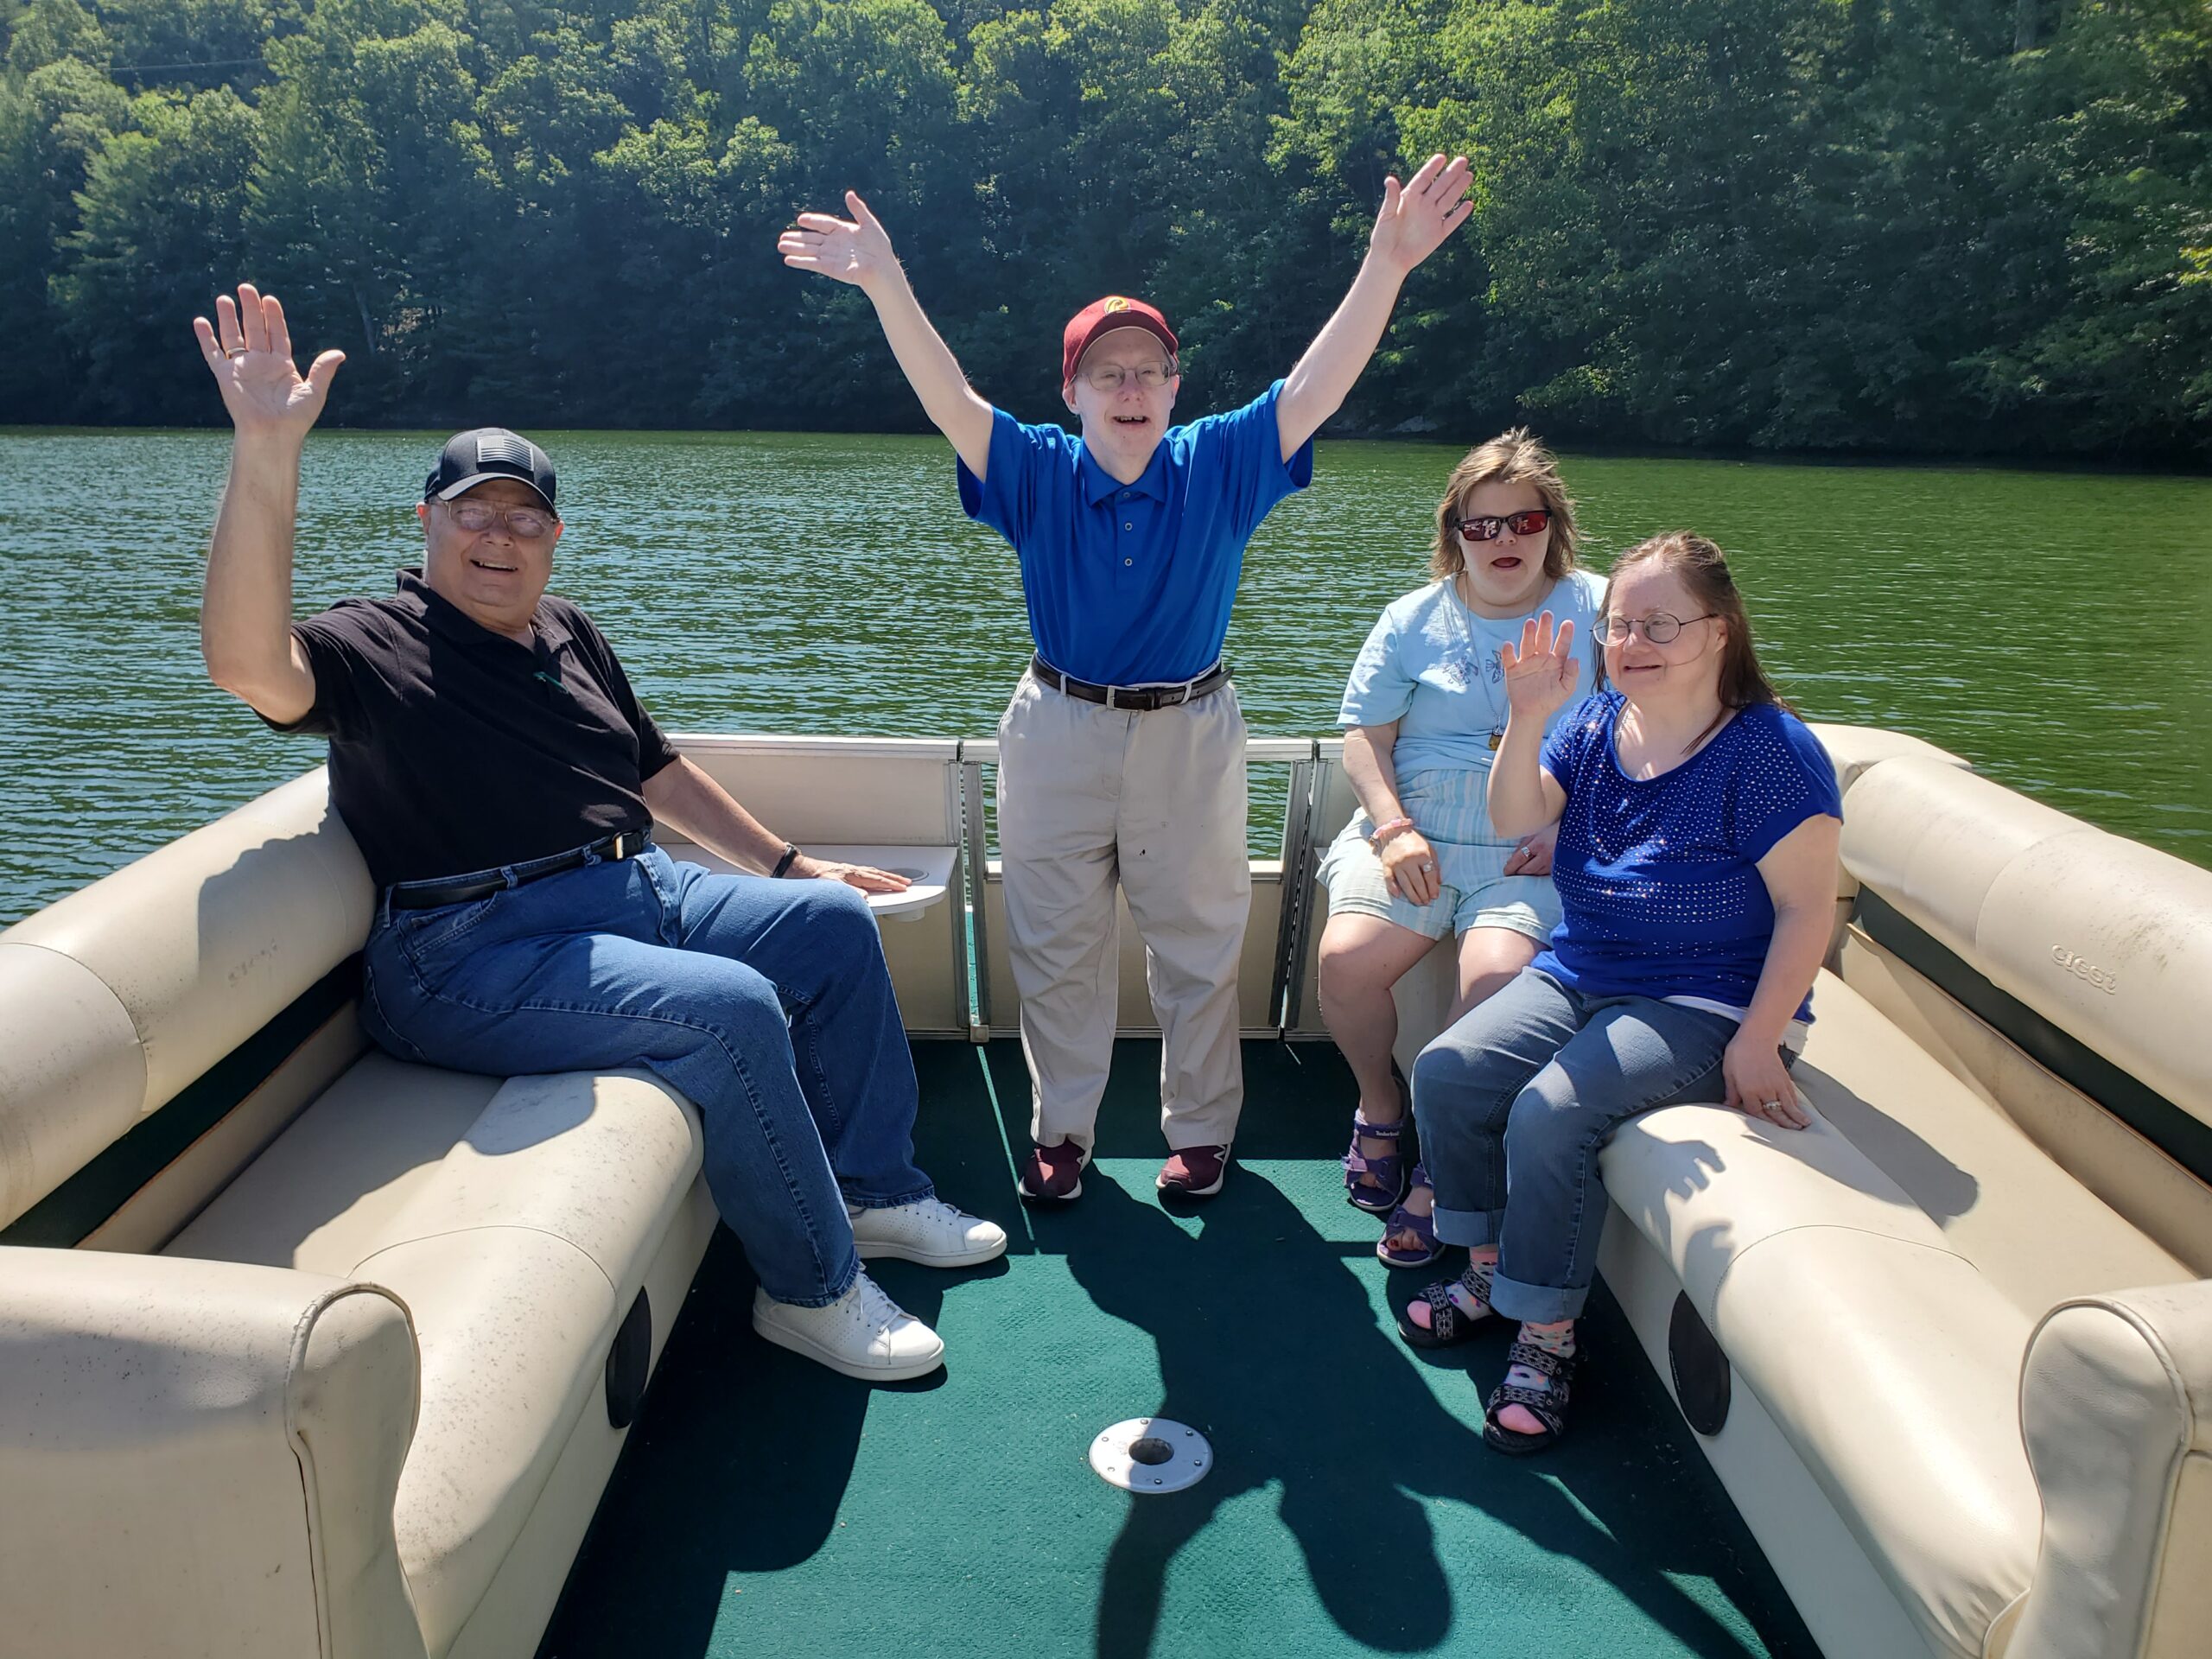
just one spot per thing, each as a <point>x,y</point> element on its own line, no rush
<point>1101,316</point>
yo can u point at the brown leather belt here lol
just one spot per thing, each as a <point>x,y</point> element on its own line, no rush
<point>1143,699</point>
<point>460,889</point>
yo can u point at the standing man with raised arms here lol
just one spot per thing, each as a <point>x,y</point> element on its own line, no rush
<point>1122,756</point>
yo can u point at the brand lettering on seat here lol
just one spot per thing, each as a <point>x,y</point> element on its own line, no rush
<point>2081,968</point>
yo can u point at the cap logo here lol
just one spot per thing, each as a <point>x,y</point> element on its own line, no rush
<point>1114,302</point>
<point>507,451</point>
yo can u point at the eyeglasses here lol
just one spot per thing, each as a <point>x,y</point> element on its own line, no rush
<point>1112,377</point>
<point>1658,628</point>
<point>1485,528</point>
<point>477,517</point>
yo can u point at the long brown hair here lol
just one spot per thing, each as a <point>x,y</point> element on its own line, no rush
<point>1704,571</point>
<point>1514,457</point>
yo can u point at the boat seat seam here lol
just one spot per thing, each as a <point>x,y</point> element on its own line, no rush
<point>1834,1227</point>
<point>492,1227</point>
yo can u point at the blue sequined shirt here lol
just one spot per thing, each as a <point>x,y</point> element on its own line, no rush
<point>1659,879</point>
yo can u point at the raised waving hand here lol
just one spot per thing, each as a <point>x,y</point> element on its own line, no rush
<point>1541,675</point>
<point>858,250</point>
<point>855,250</point>
<point>1415,218</point>
<point>1418,215</point>
<point>248,348</point>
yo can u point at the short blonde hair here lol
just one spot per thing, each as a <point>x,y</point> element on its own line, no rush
<point>1514,457</point>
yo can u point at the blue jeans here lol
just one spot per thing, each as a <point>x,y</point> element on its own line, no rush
<point>765,1003</point>
<point>1513,1103</point>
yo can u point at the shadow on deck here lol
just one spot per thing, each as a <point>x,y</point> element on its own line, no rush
<point>765,1506</point>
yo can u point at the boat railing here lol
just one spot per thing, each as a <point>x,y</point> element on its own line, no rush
<point>954,974</point>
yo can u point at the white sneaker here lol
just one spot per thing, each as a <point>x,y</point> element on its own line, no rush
<point>863,1333</point>
<point>932,1232</point>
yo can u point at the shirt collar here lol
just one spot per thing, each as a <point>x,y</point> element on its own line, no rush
<point>449,619</point>
<point>1099,485</point>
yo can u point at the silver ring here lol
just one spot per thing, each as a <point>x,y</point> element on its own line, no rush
<point>1769,1105</point>
<point>235,352</point>
<point>1426,868</point>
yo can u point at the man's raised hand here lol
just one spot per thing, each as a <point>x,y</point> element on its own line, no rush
<point>855,250</point>
<point>1541,675</point>
<point>248,349</point>
<point>1417,216</point>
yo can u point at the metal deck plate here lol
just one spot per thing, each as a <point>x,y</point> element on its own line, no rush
<point>1151,1454</point>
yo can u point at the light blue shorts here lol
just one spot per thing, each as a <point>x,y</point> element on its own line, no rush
<point>1451,808</point>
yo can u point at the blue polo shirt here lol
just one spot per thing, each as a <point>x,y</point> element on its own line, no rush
<point>1131,584</point>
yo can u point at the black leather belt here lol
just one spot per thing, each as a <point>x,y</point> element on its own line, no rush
<point>460,889</point>
<point>1143,698</point>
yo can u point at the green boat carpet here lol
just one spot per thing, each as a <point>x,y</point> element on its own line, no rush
<point>765,1506</point>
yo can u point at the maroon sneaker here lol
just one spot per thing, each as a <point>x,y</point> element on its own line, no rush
<point>1195,1172</point>
<point>1053,1174</point>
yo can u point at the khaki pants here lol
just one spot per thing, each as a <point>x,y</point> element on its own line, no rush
<point>1089,796</point>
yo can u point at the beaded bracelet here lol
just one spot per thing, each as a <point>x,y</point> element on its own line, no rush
<point>1382,832</point>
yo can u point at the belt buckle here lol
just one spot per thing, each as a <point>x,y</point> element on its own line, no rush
<point>621,849</point>
<point>1112,692</point>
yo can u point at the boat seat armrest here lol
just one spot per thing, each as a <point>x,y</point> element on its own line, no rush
<point>201,1457</point>
<point>2116,1408</point>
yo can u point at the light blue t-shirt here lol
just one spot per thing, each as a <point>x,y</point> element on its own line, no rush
<point>1431,664</point>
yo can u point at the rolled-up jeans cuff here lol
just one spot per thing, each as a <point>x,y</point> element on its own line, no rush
<point>841,1282</point>
<point>1473,1228</point>
<point>1535,1304</point>
<point>861,1201</point>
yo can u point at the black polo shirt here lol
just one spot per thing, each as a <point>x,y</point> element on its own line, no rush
<point>455,749</point>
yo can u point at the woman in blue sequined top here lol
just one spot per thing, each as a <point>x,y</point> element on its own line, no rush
<point>1698,825</point>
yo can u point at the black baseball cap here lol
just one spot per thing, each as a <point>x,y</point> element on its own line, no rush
<point>471,457</point>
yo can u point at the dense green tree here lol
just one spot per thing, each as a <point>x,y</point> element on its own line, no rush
<point>163,214</point>
<point>1826,225</point>
<point>195,43</point>
<point>371,205</point>
<point>57,109</point>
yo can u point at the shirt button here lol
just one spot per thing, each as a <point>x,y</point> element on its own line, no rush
<point>1129,526</point>
<point>1128,561</point>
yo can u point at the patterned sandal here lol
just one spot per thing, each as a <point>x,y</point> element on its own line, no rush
<point>1548,1404</point>
<point>1388,1189</point>
<point>1403,1220</point>
<point>1448,1323</point>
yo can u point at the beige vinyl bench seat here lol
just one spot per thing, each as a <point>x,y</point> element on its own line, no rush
<point>1874,1280</point>
<point>1963,1320</point>
<point>1889,1300</point>
<point>357,1351</point>
<point>517,1221</point>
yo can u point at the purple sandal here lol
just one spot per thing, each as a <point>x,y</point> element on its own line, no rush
<point>1403,1220</point>
<point>1388,1189</point>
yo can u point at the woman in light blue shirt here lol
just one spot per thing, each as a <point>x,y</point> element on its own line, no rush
<point>1423,713</point>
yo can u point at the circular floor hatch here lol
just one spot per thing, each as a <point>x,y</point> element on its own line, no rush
<point>1151,1454</point>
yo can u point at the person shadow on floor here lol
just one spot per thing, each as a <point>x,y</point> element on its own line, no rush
<point>1270,1345</point>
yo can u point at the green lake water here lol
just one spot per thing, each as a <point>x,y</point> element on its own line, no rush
<point>2055,628</point>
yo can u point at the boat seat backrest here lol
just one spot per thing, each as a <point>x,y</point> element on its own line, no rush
<point>117,997</point>
<point>2107,939</point>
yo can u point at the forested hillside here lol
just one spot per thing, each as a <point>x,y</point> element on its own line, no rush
<point>1897,226</point>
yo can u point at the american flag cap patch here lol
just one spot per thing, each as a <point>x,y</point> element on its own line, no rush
<point>502,449</point>
<point>484,452</point>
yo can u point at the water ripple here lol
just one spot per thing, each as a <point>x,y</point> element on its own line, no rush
<point>2052,627</point>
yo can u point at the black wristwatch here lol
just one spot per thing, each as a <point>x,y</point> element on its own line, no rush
<point>791,855</point>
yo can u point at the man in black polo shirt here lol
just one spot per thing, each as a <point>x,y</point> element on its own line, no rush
<point>495,768</point>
